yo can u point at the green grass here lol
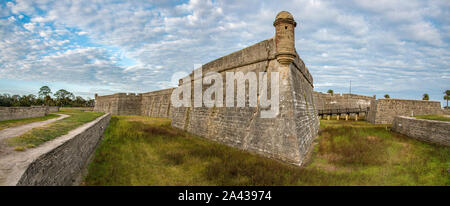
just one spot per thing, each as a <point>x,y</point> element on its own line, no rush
<point>19,122</point>
<point>147,151</point>
<point>40,135</point>
<point>434,117</point>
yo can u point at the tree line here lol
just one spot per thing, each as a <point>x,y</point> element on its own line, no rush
<point>62,98</point>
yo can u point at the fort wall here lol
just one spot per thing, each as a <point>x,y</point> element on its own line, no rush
<point>423,129</point>
<point>128,104</point>
<point>53,109</point>
<point>287,137</point>
<point>107,104</point>
<point>12,113</point>
<point>341,101</point>
<point>118,104</point>
<point>154,104</point>
<point>446,111</point>
<point>383,111</point>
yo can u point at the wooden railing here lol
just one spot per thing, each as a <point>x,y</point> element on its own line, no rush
<point>342,111</point>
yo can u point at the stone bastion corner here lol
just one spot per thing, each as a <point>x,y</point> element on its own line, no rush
<point>287,137</point>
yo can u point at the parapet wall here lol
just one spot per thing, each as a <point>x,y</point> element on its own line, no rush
<point>53,109</point>
<point>154,104</point>
<point>62,163</point>
<point>129,104</point>
<point>12,113</point>
<point>119,104</point>
<point>446,111</point>
<point>326,101</point>
<point>107,103</point>
<point>383,111</point>
<point>422,129</point>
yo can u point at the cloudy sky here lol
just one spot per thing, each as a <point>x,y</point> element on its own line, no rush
<point>100,46</point>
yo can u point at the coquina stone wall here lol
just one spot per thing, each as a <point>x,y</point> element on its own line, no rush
<point>325,101</point>
<point>62,164</point>
<point>383,111</point>
<point>287,137</point>
<point>12,113</point>
<point>53,109</point>
<point>446,111</point>
<point>422,129</point>
<point>118,104</point>
<point>154,104</point>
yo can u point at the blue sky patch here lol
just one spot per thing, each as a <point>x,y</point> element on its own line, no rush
<point>400,48</point>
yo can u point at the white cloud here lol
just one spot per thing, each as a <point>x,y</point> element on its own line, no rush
<point>367,41</point>
<point>423,31</point>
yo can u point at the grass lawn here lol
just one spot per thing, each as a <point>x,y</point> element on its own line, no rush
<point>40,135</point>
<point>19,122</point>
<point>140,150</point>
<point>433,117</point>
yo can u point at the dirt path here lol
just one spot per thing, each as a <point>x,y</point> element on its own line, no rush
<point>20,130</point>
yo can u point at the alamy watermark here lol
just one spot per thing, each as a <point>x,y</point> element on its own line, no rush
<point>235,83</point>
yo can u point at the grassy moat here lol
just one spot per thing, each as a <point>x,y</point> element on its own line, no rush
<point>139,150</point>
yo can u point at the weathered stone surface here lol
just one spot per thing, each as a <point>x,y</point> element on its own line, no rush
<point>61,164</point>
<point>118,104</point>
<point>287,137</point>
<point>446,111</point>
<point>53,109</point>
<point>341,101</point>
<point>154,104</point>
<point>12,113</point>
<point>423,129</point>
<point>383,111</point>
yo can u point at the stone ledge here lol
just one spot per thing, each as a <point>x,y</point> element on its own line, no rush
<point>60,161</point>
<point>13,113</point>
<point>422,129</point>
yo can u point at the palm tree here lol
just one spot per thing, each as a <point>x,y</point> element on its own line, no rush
<point>387,96</point>
<point>447,96</point>
<point>426,97</point>
<point>330,91</point>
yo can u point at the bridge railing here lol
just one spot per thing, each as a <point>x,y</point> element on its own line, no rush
<point>342,111</point>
